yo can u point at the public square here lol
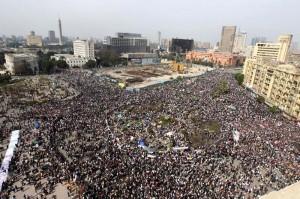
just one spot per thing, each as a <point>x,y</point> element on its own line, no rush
<point>169,140</point>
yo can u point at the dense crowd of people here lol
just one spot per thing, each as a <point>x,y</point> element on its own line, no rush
<point>91,140</point>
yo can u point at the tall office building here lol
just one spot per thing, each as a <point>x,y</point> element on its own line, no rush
<point>273,51</point>
<point>181,45</point>
<point>227,38</point>
<point>285,42</point>
<point>60,33</point>
<point>240,42</point>
<point>159,39</point>
<point>256,40</point>
<point>84,48</point>
<point>127,43</point>
<point>51,36</point>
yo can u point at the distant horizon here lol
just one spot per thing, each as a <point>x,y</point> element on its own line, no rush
<point>199,20</point>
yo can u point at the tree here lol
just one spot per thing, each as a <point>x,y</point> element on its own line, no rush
<point>5,78</point>
<point>62,64</point>
<point>239,78</point>
<point>109,58</point>
<point>90,64</point>
<point>2,58</point>
<point>203,63</point>
<point>46,65</point>
<point>28,69</point>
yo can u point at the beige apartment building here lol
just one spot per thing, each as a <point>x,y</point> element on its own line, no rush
<point>34,40</point>
<point>273,51</point>
<point>278,84</point>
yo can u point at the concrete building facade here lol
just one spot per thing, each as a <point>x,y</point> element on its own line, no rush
<point>84,48</point>
<point>278,84</point>
<point>227,39</point>
<point>20,63</point>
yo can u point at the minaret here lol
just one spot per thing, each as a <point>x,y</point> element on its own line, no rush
<point>60,33</point>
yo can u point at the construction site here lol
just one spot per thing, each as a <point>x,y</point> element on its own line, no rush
<point>135,77</point>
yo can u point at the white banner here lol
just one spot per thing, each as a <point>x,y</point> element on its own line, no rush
<point>236,135</point>
<point>8,156</point>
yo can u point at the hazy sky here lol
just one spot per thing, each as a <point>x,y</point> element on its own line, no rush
<point>201,20</point>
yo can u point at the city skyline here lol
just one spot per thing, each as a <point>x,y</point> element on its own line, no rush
<point>202,22</point>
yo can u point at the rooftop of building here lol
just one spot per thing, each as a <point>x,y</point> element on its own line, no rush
<point>128,35</point>
<point>82,40</point>
<point>139,55</point>
<point>70,56</point>
<point>64,55</point>
<point>20,55</point>
<point>289,68</point>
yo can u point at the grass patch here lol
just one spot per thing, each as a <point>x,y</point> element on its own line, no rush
<point>206,133</point>
<point>211,126</point>
<point>165,120</point>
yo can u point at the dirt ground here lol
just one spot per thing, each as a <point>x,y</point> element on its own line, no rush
<point>143,76</point>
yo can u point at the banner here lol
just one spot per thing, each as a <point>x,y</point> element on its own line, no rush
<point>236,135</point>
<point>8,156</point>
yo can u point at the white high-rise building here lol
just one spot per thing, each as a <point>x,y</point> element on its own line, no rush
<point>84,48</point>
<point>240,42</point>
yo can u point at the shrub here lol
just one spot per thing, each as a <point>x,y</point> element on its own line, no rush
<point>273,109</point>
<point>5,78</point>
<point>179,78</point>
<point>260,99</point>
